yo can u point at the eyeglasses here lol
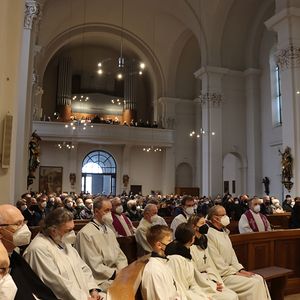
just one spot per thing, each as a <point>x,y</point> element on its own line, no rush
<point>18,224</point>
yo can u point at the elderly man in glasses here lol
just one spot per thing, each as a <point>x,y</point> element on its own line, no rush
<point>14,233</point>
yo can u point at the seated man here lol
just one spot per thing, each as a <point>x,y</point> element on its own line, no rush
<point>87,212</point>
<point>247,285</point>
<point>287,204</point>
<point>150,213</point>
<point>121,222</point>
<point>252,220</point>
<point>57,263</point>
<point>276,207</point>
<point>98,246</point>
<point>185,211</point>
<point>158,281</point>
<point>8,288</point>
<point>14,233</point>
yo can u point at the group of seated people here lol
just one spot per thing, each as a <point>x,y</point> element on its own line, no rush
<point>193,258</point>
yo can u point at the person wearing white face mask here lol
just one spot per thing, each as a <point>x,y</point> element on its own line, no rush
<point>57,263</point>
<point>247,285</point>
<point>121,223</point>
<point>98,246</point>
<point>186,210</point>
<point>14,233</point>
<point>148,220</point>
<point>252,220</point>
<point>8,289</point>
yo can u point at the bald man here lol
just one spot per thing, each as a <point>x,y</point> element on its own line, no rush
<point>14,233</point>
<point>8,288</point>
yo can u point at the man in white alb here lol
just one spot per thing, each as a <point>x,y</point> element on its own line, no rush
<point>247,285</point>
<point>97,245</point>
<point>252,220</point>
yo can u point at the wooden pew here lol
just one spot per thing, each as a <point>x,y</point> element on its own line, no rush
<point>280,221</point>
<point>127,283</point>
<point>262,252</point>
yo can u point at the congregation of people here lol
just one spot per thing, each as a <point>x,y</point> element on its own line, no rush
<point>193,258</point>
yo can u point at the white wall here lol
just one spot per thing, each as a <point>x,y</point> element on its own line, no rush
<point>232,172</point>
<point>271,136</point>
<point>144,168</point>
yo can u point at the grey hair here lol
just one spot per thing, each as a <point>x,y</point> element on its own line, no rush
<point>56,218</point>
<point>213,211</point>
<point>98,202</point>
<point>148,208</point>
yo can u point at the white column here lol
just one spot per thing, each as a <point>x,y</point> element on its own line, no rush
<point>287,25</point>
<point>198,158</point>
<point>253,132</point>
<point>168,171</point>
<point>24,109</point>
<point>168,111</point>
<point>212,156</point>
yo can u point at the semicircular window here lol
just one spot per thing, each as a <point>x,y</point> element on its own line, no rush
<point>99,173</point>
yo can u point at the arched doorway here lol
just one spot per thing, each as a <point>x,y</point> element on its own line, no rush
<point>232,174</point>
<point>99,173</point>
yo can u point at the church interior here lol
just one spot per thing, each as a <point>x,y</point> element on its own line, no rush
<point>117,97</point>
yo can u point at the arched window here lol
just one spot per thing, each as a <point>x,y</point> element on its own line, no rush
<point>275,89</point>
<point>99,173</point>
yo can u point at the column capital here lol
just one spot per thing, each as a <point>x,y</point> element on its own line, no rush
<point>214,99</point>
<point>288,57</point>
<point>32,12</point>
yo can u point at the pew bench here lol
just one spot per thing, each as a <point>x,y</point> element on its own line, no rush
<point>126,286</point>
<point>276,277</point>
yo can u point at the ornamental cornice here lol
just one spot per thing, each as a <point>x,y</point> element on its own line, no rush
<point>32,11</point>
<point>288,57</point>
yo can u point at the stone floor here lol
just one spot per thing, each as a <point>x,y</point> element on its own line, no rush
<point>292,297</point>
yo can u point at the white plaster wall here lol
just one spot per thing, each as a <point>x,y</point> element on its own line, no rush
<point>11,28</point>
<point>271,136</point>
<point>185,146</point>
<point>234,117</point>
<point>144,168</point>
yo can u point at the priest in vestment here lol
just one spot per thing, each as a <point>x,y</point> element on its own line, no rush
<point>57,263</point>
<point>247,285</point>
<point>252,220</point>
<point>98,246</point>
<point>121,223</point>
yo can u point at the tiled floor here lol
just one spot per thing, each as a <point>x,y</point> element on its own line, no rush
<point>292,297</point>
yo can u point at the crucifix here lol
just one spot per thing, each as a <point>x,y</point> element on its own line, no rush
<point>204,258</point>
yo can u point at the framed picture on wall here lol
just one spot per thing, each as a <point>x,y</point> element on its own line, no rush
<point>50,179</point>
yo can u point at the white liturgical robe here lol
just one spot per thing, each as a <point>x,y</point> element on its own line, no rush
<point>183,270</point>
<point>177,221</point>
<point>205,266</point>
<point>245,227</point>
<point>98,247</point>
<point>140,237</point>
<point>226,262</point>
<point>158,281</point>
<point>62,269</point>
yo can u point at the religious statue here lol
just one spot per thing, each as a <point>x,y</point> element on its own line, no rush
<point>72,178</point>
<point>125,180</point>
<point>266,182</point>
<point>287,168</point>
<point>34,157</point>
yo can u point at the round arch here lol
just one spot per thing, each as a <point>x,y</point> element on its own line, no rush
<point>184,175</point>
<point>99,171</point>
<point>136,44</point>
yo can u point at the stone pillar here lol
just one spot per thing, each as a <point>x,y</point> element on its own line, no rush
<point>286,23</point>
<point>64,89</point>
<point>24,110</point>
<point>168,111</point>
<point>253,133</point>
<point>198,158</point>
<point>212,156</point>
